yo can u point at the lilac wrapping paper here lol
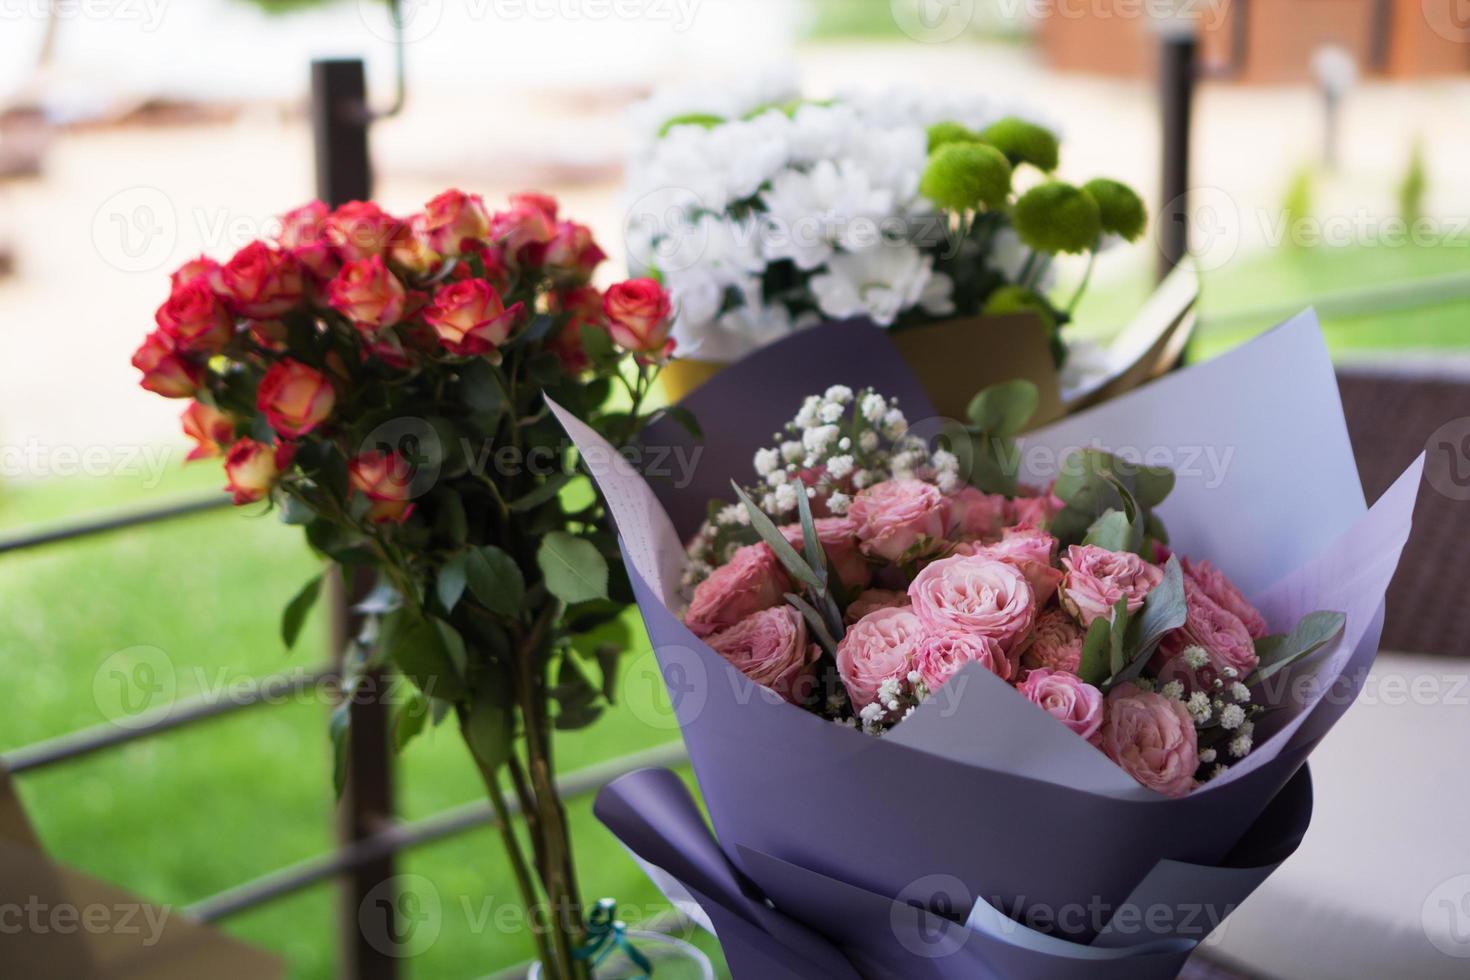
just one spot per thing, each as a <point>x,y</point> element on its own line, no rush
<point>977,786</point>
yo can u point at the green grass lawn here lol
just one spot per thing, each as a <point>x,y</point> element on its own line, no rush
<point>181,816</point>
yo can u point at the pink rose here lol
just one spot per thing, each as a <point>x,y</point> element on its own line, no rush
<point>871,600</point>
<point>1214,584</point>
<point>471,319</point>
<point>974,594</point>
<point>166,371</point>
<point>752,580</point>
<point>639,317</point>
<point>252,468</point>
<point>1034,508</point>
<point>385,479</point>
<point>838,536</point>
<point>1067,698</point>
<point>1055,643</point>
<point>771,649</point>
<point>897,516</point>
<point>302,226</point>
<point>1032,551</point>
<point>1219,632</point>
<point>211,430</point>
<point>260,282</point>
<point>571,255</point>
<point>880,647</point>
<point>202,267</point>
<point>583,308</point>
<point>530,221</point>
<point>941,655</point>
<point>1151,738</point>
<point>366,293</point>
<point>1097,578</point>
<point>973,514</point>
<point>410,249</point>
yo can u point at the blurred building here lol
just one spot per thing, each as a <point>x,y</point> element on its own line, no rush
<point>1264,41</point>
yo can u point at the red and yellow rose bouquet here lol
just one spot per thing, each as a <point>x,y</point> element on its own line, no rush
<point>380,382</point>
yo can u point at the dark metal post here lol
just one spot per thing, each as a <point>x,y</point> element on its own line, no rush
<point>1177,56</point>
<point>340,117</point>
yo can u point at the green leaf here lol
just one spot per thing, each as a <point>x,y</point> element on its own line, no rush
<point>598,347</point>
<point>1117,635</point>
<point>450,583</point>
<point>1164,610</point>
<point>410,715</point>
<point>573,568</point>
<point>1276,653</point>
<point>489,732</point>
<point>417,646</point>
<point>1151,484</point>
<point>339,727</point>
<point>1093,667</point>
<point>683,417</point>
<point>1004,409</point>
<point>811,543</point>
<point>777,542</point>
<point>579,701</point>
<point>296,512</point>
<point>295,614</point>
<point>814,622</point>
<point>1112,531</point>
<point>495,579</point>
<point>541,494</point>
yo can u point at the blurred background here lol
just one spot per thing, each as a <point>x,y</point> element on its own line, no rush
<point>1326,166</point>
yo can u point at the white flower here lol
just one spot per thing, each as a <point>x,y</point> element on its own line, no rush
<point>766,460</point>
<point>818,438</point>
<point>839,502</point>
<point>1196,657</point>
<point>1199,707</point>
<point>776,478</point>
<point>841,394</point>
<point>807,417</point>
<point>810,211</point>
<point>785,498</point>
<point>868,441</point>
<point>1240,745</point>
<point>733,514</point>
<point>880,283</point>
<point>894,424</point>
<point>791,451</point>
<point>1174,690</point>
<point>830,412</point>
<point>1207,756</point>
<point>945,461</point>
<point>1232,716</point>
<point>873,406</point>
<point>1240,692</point>
<point>839,466</point>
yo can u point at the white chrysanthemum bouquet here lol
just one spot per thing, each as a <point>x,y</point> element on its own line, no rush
<point>898,208</point>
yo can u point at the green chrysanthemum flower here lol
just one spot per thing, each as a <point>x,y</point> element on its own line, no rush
<point>1023,142</point>
<point>705,119</point>
<point>1019,299</point>
<point>1121,209</point>
<point>1057,217</point>
<point>945,132</point>
<point>966,176</point>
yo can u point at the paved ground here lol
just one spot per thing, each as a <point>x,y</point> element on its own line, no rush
<point>116,209</point>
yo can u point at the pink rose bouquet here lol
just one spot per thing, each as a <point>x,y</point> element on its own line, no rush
<point>913,574</point>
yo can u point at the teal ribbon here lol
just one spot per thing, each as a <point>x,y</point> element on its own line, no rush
<point>606,934</point>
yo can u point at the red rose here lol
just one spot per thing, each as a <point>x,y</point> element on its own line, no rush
<point>383,478</point>
<point>295,398</point>
<point>571,255</point>
<point>304,225</point>
<point>210,428</point>
<point>584,308</point>
<point>360,230</point>
<point>471,319</point>
<point>260,281</point>
<point>454,220</point>
<point>366,293</point>
<point>196,319</point>
<point>638,317</point>
<point>531,220</point>
<point>252,468</point>
<point>165,371</point>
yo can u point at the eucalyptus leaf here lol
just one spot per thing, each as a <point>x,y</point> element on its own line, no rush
<point>1093,667</point>
<point>573,568</point>
<point>777,542</point>
<point>1112,531</point>
<point>811,543</point>
<point>1276,653</point>
<point>1164,610</point>
<point>1004,409</point>
<point>1152,484</point>
<point>814,622</point>
<point>449,584</point>
<point>1117,636</point>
